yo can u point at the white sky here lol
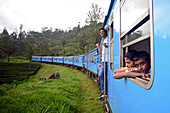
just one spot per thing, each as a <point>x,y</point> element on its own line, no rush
<point>35,14</point>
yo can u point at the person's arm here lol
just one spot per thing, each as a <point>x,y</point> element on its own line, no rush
<point>100,51</point>
<point>120,75</point>
<point>99,65</point>
<point>121,70</point>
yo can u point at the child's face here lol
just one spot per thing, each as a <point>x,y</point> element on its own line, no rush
<point>142,65</point>
<point>129,63</point>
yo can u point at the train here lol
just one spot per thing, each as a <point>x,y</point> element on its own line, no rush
<point>141,25</point>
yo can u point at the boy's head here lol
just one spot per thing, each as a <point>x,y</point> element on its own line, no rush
<point>103,32</point>
<point>142,62</point>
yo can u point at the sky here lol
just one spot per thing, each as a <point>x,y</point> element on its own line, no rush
<point>35,14</point>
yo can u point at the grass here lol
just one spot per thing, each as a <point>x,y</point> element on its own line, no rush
<point>74,92</point>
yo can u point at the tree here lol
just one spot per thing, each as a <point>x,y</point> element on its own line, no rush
<point>14,35</point>
<point>29,52</point>
<point>21,36</point>
<point>46,32</point>
<point>95,15</point>
<point>43,45</point>
<point>8,44</point>
<point>83,39</point>
<point>93,20</point>
<point>63,43</point>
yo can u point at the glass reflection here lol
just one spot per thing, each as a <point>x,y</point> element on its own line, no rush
<point>131,11</point>
<point>141,31</point>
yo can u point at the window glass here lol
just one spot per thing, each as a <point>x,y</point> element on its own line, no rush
<point>139,32</point>
<point>111,47</point>
<point>131,11</point>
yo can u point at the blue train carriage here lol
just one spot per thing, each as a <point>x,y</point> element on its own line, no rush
<point>85,64</point>
<point>68,61</point>
<point>47,59</point>
<point>92,61</point>
<point>91,64</point>
<point>36,59</point>
<point>78,61</point>
<point>58,60</point>
<point>141,25</point>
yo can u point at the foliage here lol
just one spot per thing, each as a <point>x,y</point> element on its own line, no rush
<point>55,42</point>
<point>8,44</point>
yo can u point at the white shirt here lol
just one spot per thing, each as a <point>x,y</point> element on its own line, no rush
<point>105,50</point>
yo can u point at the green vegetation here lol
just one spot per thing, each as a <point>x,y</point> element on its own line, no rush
<point>16,70</point>
<point>53,42</point>
<point>73,92</point>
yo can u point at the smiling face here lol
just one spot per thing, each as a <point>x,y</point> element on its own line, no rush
<point>102,33</point>
<point>129,63</point>
<point>142,65</point>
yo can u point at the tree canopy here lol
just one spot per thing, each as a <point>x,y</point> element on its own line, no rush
<point>55,42</point>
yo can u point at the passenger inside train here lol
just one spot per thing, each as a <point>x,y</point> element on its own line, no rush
<point>137,65</point>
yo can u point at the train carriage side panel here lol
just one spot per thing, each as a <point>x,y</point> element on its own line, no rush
<point>58,60</point>
<point>126,96</point>
<point>78,61</point>
<point>36,58</point>
<point>69,60</point>
<point>47,59</point>
<point>92,61</point>
<point>86,61</point>
<point>113,50</point>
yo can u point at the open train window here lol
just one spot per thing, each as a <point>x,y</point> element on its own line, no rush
<point>111,41</point>
<point>94,57</point>
<point>136,33</point>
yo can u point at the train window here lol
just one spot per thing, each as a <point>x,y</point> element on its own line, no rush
<point>136,33</point>
<point>76,59</point>
<point>94,59</point>
<point>111,41</point>
<point>86,59</point>
<point>70,59</point>
<point>59,59</point>
<point>49,58</point>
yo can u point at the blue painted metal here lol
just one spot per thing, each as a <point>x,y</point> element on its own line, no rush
<point>78,60</point>
<point>47,59</point>
<point>92,61</point>
<point>85,61</point>
<point>36,58</point>
<point>58,60</point>
<point>127,97</point>
<point>69,60</point>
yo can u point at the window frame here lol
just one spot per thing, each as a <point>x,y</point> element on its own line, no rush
<point>124,48</point>
<point>111,24</point>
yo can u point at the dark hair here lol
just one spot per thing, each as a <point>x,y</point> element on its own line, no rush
<point>131,54</point>
<point>143,55</point>
<point>103,30</point>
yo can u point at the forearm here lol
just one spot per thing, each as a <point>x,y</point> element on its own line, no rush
<point>99,50</point>
<point>119,75</point>
<point>121,70</point>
